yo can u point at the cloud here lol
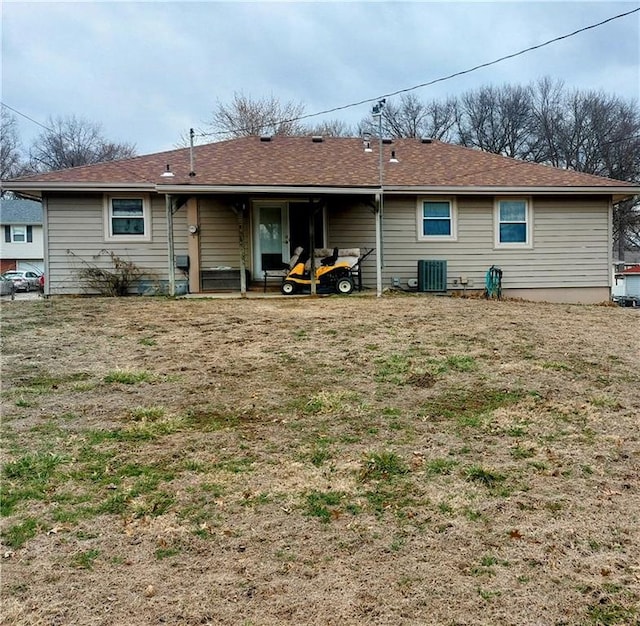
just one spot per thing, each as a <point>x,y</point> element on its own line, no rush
<point>149,70</point>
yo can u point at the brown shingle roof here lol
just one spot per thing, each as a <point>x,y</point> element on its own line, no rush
<point>333,162</point>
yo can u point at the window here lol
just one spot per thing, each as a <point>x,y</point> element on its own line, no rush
<point>127,218</point>
<point>436,219</point>
<point>513,223</point>
<point>18,234</point>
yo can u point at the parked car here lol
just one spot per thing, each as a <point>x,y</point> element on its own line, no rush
<point>23,280</point>
<point>41,283</point>
<point>7,287</point>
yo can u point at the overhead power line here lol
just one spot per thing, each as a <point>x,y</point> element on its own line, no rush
<point>6,106</point>
<point>441,79</point>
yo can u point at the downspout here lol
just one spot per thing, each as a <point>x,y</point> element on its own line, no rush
<point>170,246</point>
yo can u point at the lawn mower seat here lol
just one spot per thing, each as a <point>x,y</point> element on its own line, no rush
<point>330,260</point>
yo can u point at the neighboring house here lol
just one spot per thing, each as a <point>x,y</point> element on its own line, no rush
<point>247,203</point>
<point>22,241</point>
<point>626,288</point>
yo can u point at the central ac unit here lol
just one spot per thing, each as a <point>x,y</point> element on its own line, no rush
<point>432,275</point>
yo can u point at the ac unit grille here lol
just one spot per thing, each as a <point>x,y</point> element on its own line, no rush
<point>432,275</point>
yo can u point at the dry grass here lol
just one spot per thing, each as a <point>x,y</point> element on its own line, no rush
<point>409,460</point>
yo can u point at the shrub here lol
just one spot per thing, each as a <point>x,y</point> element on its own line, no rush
<point>115,281</point>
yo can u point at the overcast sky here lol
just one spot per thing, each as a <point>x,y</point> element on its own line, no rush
<point>148,71</point>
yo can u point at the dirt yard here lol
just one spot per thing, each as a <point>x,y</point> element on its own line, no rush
<point>340,460</point>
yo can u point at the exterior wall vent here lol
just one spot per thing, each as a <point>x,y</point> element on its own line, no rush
<point>265,138</point>
<point>317,139</point>
<point>426,140</point>
<point>387,140</point>
<point>432,275</point>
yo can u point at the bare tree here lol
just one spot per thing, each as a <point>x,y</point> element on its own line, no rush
<point>412,118</point>
<point>404,119</point>
<point>72,141</point>
<point>626,228</point>
<point>547,113</point>
<point>245,116</point>
<point>11,164</point>
<point>330,128</point>
<point>598,134</point>
<point>442,118</point>
<point>496,119</point>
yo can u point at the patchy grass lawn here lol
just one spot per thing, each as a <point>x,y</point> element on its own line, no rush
<point>410,460</point>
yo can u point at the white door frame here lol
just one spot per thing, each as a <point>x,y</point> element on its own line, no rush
<point>284,223</point>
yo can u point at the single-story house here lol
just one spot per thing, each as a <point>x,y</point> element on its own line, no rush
<point>22,242</point>
<point>436,215</point>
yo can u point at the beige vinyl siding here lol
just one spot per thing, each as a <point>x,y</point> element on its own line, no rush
<point>571,242</point>
<point>219,235</point>
<point>353,226</point>
<point>75,231</point>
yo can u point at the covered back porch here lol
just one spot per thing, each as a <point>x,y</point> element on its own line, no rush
<point>244,242</point>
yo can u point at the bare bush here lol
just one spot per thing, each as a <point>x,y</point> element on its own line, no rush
<point>115,281</point>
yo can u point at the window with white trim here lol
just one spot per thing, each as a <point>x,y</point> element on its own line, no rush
<point>127,218</point>
<point>18,234</point>
<point>437,219</point>
<point>513,223</point>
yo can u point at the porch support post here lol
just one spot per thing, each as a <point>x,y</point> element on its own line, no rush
<point>239,210</point>
<point>312,245</point>
<point>193,248</point>
<point>170,246</point>
<point>315,207</point>
<point>378,213</point>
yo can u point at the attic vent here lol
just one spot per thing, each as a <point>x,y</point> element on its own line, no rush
<point>426,140</point>
<point>387,140</point>
<point>317,139</point>
<point>265,138</point>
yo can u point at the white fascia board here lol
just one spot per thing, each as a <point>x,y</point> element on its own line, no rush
<point>35,189</point>
<point>39,187</point>
<point>263,189</point>
<point>488,190</point>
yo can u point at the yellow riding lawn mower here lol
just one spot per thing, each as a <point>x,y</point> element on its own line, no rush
<point>333,274</point>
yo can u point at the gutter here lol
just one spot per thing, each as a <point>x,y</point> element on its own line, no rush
<point>625,191</point>
<point>261,189</point>
<point>38,187</point>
